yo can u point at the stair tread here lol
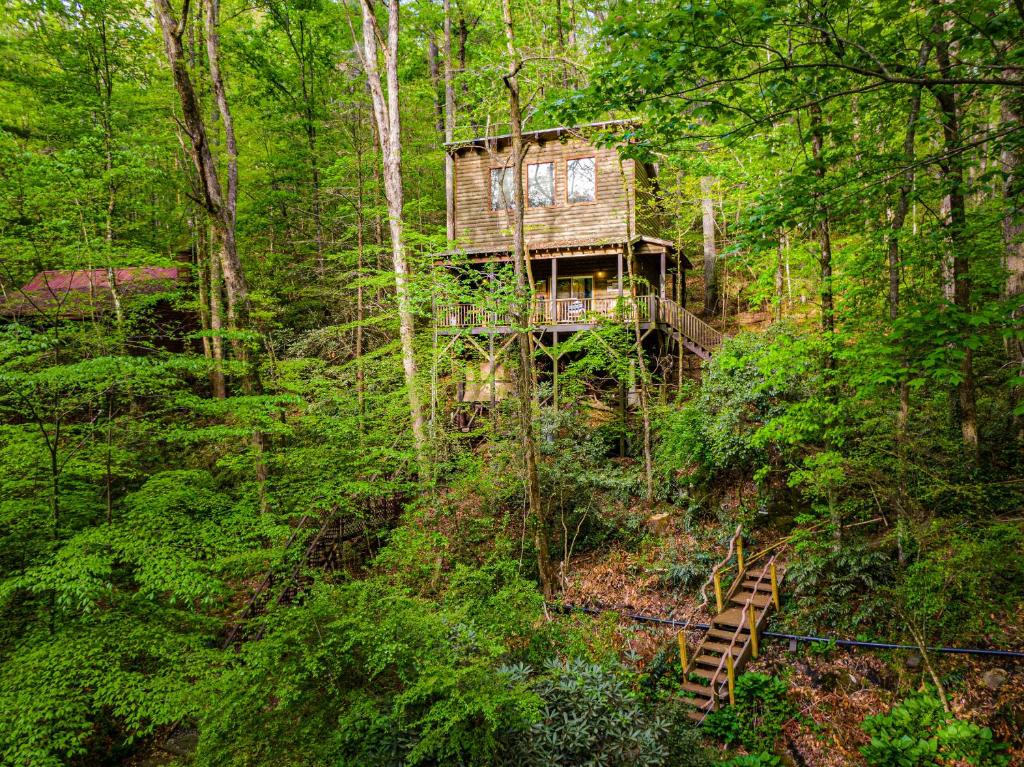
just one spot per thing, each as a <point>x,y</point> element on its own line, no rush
<point>751,585</point>
<point>731,616</point>
<point>726,634</point>
<point>704,673</point>
<point>721,647</point>
<point>698,689</point>
<point>697,716</point>
<point>706,659</point>
<point>702,704</point>
<point>757,600</point>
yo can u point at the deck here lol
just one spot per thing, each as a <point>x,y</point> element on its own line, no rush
<point>576,314</point>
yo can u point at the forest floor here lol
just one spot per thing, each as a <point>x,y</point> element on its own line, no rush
<point>834,690</point>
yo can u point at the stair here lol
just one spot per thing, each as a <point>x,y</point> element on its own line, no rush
<point>706,676</point>
<point>323,553</point>
<point>689,329</point>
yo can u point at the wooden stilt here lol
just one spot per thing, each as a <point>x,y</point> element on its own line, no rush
<point>683,662</point>
<point>718,590</point>
<point>775,586</point>
<point>739,555</point>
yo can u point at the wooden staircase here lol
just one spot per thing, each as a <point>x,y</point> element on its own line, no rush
<point>689,329</point>
<point>709,674</point>
<point>323,552</point>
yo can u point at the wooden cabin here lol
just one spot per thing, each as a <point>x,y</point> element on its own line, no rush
<point>589,209</point>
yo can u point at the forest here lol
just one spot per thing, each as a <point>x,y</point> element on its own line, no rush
<point>489,382</point>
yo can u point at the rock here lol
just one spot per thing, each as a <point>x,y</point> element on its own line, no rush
<point>659,524</point>
<point>994,678</point>
<point>913,661</point>
<point>840,680</point>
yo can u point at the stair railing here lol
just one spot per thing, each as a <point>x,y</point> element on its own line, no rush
<point>735,545</point>
<point>751,618</point>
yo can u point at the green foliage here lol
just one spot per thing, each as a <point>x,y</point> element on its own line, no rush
<point>375,675</point>
<point>760,759</point>
<point>758,396</point>
<point>919,733</point>
<point>943,588</point>
<point>589,717</point>
<point>756,720</point>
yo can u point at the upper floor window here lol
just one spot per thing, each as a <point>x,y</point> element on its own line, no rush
<point>502,194</point>
<point>540,185</point>
<point>580,180</point>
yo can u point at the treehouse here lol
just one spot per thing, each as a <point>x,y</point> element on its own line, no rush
<point>594,239</point>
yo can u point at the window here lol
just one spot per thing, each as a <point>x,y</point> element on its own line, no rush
<point>580,180</point>
<point>502,195</point>
<point>540,185</point>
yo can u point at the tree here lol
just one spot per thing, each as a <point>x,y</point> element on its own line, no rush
<point>389,131</point>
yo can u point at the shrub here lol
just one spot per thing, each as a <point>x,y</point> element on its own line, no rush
<point>920,733</point>
<point>589,716</point>
<point>756,720</point>
<point>760,759</point>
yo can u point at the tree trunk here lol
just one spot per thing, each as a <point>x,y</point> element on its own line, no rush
<point>707,206</point>
<point>899,217</point>
<point>521,316</point>
<point>449,122</point>
<point>952,169</point>
<point>389,129</point>
<point>216,319</point>
<point>1013,239</point>
<point>828,320</point>
<point>220,207</point>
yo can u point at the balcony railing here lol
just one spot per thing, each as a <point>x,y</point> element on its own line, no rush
<point>561,311</point>
<point>699,336</point>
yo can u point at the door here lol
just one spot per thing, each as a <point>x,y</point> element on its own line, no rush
<point>574,294</point>
<point>575,287</point>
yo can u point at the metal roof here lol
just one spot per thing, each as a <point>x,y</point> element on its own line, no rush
<point>544,134</point>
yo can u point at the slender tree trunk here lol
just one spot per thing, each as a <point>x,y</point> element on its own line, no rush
<point>899,217</point>
<point>641,361</point>
<point>707,206</point>
<point>1012,162</point>
<point>388,120</point>
<point>216,318</point>
<point>779,284</point>
<point>435,84</point>
<point>449,122</point>
<point>952,170</point>
<point>521,315</point>
<point>828,320</point>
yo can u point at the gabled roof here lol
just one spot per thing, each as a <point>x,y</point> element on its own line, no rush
<point>544,134</point>
<point>74,292</point>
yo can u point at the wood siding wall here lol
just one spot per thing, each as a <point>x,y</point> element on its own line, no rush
<point>602,221</point>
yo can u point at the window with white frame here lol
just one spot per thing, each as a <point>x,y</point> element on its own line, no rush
<point>581,180</point>
<point>540,185</point>
<point>502,194</point>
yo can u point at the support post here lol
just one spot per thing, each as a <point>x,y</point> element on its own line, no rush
<point>554,375</point>
<point>553,291</point>
<point>752,624</point>
<point>661,287</point>
<point>739,554</point>
<point>683,662</point>
<point>775,586</point>
<point>718,590</point>
<point>732,678</point>
<point>620,277</point>
<point>682,280</point>
<point>491,360</point>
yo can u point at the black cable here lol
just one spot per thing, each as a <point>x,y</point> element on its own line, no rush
<point>796,637</point>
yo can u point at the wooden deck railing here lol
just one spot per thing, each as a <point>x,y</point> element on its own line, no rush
<point>562,311</point>
<point>690,325</point>
<point>582,311</point>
